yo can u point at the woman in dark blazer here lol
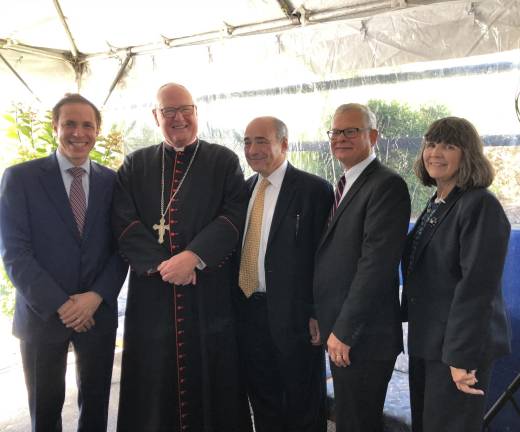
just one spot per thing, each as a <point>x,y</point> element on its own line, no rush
<point>452,269</point>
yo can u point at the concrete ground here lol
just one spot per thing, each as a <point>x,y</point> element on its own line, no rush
<point>14,415</point>
<point>14,412</point>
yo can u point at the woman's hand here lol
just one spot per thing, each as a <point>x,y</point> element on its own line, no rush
<point>465,380</point>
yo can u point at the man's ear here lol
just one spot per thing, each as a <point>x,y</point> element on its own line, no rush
<point>285,145</point>
<point>373,134</point>
<point>154,112</point>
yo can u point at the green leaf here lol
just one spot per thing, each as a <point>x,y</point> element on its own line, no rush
<point>9,118</point>
<point>12,135</point>
<point>26,130</point>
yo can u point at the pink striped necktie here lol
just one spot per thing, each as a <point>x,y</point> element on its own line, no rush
<point>77,198</point>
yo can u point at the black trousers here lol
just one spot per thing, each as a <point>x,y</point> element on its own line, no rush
<point>437,405</point>
<point>359,394</point>
<point>286,388</point>
<point>44,367</point>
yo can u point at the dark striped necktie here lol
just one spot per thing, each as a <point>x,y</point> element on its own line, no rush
<point>77,198</point>
<point>340,187</point>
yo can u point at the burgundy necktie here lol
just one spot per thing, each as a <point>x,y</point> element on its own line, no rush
<point>77,198</point>
<point>340,187</point>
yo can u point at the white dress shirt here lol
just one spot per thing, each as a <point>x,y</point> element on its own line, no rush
<point>67,177</point>
<point>353,173</point>
<point>271,197</point>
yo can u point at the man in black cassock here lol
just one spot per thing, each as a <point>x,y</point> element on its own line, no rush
<point>178,210</point>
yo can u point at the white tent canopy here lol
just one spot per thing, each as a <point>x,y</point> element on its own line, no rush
<point>296,60</point>
<point>129,47</point>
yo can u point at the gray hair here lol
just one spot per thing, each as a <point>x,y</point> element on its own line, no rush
<point>280,128</point>
<point>369,116</point>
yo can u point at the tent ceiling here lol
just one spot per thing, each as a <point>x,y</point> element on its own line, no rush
<point>97,47</point>
<point>62,27</point>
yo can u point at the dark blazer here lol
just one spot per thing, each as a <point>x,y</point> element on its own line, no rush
<point>452,295</point>
<point>43,254</point>
<point>299,217</point>
<point>356,282</point>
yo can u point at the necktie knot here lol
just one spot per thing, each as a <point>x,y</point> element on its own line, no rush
<point>76,172</point>
<point>263,185</point>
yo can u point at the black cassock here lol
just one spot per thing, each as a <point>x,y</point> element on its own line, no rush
<point>179,369</point>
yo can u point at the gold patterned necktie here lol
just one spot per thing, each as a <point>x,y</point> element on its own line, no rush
<point>248,277</point>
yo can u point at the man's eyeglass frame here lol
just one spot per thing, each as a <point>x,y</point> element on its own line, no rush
<point>183,110</point>
<point>348,132</point>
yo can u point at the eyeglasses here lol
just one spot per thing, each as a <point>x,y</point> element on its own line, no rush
<point>184,110</point>
<point>348,132</point>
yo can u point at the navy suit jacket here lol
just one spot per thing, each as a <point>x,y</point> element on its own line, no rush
<point>356,282</point>
<point>452,296</point>
<point>299,217</point>
<point>43,253</point>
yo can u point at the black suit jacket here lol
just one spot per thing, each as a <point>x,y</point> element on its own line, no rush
<point>300,214</point>
<point>356,282</point>
<point>45,257</point>
<point>453,299</point>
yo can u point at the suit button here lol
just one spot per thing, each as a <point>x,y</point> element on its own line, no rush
<point>412,300</point>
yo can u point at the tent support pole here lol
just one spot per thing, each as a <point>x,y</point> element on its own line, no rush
<point>73,48</point>
<point>118,76</point>
<point>287,7</point>
<point>13,70</point>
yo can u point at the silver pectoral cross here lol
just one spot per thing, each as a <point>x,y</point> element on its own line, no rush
<point>161,229</point>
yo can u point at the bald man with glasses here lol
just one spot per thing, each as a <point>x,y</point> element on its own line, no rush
<point>179,207</point>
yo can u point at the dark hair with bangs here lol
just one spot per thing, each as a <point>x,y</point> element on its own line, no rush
<point>73,98</point>
<point>475,169</point>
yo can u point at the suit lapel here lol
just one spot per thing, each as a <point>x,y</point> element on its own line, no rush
<point>438,218</point>
<point>284,199</point>
<point>251,182</point>
<point>52,182</point>
<point>352,192</point>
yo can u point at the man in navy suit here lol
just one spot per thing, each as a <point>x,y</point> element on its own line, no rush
<point>58,250</point>
<point>356,283</point>
<point>280,347</point>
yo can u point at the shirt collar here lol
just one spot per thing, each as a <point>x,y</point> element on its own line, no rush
<point>189,148</point>
<point>357,169</point>
<point>65,164</point>
<point>276,177</point>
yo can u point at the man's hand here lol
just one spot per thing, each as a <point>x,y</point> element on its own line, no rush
<point>77,312</point>
<point>314,331</point>
<point>87,325</point>
<point>180,269</point>
<point>465,380</point>
<point>338,351</point>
